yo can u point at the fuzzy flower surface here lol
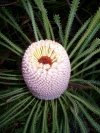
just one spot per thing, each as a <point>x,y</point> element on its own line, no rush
<point>46,69</point>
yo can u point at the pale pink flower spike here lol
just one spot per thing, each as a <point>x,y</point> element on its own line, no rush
<point>46,69</point>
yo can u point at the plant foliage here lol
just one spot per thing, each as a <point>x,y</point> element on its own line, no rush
<point>77,110</point>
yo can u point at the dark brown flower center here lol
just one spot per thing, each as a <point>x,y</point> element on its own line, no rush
<point>45,60</point>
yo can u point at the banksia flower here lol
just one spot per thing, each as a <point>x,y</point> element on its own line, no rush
<point>46,69</point>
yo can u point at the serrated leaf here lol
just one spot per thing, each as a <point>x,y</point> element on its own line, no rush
<point>74,7</point>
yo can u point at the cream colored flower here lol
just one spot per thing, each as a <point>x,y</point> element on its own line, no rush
<point>46,69</point>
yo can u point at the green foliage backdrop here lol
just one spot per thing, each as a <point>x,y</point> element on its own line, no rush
<point>77,110</point>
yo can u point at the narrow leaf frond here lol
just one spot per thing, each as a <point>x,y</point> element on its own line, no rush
<point>72,13</point>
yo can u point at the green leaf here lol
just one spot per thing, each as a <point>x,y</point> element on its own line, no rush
<point>80,122</point>
<point>44,121</point>
<point>77,35</point>
<point>95,63</point>
<point>91,73</point>
<point>65,124</point>
<point>82,81</point>
<point>17,96</point>
<point>32,19</point>
<point>10,92</point>
<point>7,116</point>
<point>86,58</point>
<point>86,53</point>
<point>55,127</point>
<point>71,16</point>
<point>35,117</point>
<point>47,25</point>
<point>29,10</point>
<point>10,19</point>
<point>10,48</point>
<point>57,21</point>
<point>86,103</point>
<point>89,118</point>
<point>89,38</point>
<point>13,45</point>
<point>93,23</point>
<point>29,117</point>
